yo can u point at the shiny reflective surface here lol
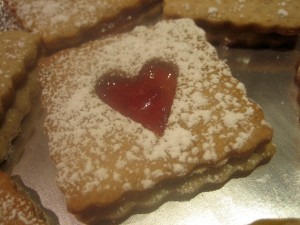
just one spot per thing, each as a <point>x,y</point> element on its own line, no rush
<point>271,191</point>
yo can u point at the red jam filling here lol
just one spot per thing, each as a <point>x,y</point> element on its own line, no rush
<point>146,98</point>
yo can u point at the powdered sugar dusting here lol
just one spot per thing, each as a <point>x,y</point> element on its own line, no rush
<point>96,149</point>
<point>7,21</point>
<point>15,207</point>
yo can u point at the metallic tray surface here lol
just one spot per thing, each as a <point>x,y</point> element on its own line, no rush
<point>270,191</point>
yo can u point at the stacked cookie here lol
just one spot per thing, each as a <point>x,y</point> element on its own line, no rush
<point>243,23</point>
<point>109,160</point>
<point>66,23</point>
<point>19,54</point>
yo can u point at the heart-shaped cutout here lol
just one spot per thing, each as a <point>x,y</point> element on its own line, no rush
<point>146,98</point>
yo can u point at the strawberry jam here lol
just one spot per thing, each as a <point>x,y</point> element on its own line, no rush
<point>146,98</point>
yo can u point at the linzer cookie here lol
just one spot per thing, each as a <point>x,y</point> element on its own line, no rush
<point>143,116</point>
<point>18,54</point>
<point>16,207</point>
<point>65,23</point>
<point>242,22</point>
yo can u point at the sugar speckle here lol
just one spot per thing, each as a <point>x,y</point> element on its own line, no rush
<point>212,11</point>
<point>282,12</point>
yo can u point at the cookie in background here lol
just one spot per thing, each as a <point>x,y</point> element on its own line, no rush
<point>252,23</point>
<point>17,206</point>
<point>63,24</point>
<point>283,221</point>
<point>19,53</point>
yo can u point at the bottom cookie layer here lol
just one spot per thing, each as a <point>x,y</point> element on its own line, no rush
<point>199,180</point>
